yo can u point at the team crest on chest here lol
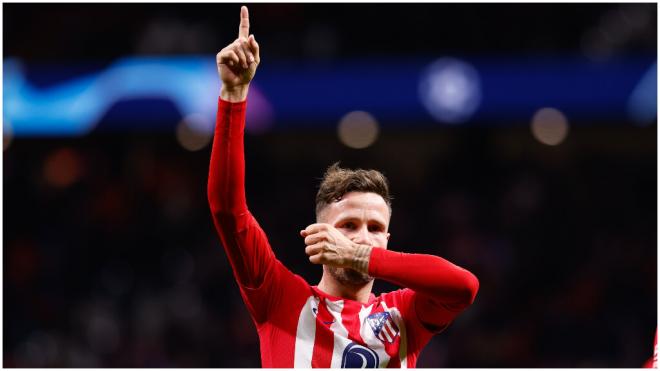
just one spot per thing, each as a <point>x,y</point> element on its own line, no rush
<point>383,326</point>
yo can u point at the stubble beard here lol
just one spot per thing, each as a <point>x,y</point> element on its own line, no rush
<point>349,277</point>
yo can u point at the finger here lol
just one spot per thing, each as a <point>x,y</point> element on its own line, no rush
<point>238,49</point>
<point>316,237</point>
<point>248,52</point>
<point>254,46</point>
<point>244,28</point>
<point>316,227</point>
<point>316,259</point>
<point>228,57</point>
<point>314,249</point>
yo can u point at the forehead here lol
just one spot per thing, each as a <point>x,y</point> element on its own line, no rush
<point>359,205</point>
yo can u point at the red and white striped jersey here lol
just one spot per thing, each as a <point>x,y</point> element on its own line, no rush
<point>306,327</point>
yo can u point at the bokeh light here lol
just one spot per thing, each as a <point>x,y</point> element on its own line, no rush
<point>358,129</point>
<point>194,132</point>
<point>450,90</point>
<point>615,29</point>
<point>549,126</point>
<point>102,329</point>
<point>643,101</point>
<point>259,116</point>
<point>62,168</point>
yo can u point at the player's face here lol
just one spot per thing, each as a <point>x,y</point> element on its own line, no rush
<point>362,217</point>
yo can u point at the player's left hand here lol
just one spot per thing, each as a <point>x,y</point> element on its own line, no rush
<point>237,63</point>
<point>327,245</point>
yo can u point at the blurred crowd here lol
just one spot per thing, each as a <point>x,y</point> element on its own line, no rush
<point>111,259</point>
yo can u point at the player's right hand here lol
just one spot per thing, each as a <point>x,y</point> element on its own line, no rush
<point>237,63</point>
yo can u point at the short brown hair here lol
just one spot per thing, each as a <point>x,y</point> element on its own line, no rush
<point>338,181</point>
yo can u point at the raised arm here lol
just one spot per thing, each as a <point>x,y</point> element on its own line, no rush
<point>244,241</point>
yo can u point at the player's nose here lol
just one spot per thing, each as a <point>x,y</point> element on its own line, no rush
<point>362,236</point>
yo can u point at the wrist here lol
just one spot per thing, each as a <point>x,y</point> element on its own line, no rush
<point>234,94</point>
<point>360,261</point>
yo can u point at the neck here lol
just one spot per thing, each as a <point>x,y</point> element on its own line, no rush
<point>331,286</point>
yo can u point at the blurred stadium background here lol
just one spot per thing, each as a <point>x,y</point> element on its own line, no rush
<point>520,141</point>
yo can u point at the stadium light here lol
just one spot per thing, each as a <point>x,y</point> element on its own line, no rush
<point>62,168</point>
<point>450,90</point>
<point>194,132</point>
<point>549,126</point>
<point>358,129</point>
<point>642,105</point>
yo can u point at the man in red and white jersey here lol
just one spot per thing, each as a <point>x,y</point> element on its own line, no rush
<point>339,322</point>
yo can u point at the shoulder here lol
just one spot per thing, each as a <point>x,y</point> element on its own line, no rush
<point>400,302</point>
<point>280,292</point>
<point>400,297</point>
<point>288,283</point>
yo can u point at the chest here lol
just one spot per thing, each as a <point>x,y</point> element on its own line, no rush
<point>348,334</point>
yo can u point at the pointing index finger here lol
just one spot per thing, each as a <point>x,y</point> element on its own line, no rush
<point>244,28</point>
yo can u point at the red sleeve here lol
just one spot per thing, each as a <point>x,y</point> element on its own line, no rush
<point>247,247</point>
<point>442,289</point>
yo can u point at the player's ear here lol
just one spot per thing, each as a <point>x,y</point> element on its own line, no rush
<point>388,236</point>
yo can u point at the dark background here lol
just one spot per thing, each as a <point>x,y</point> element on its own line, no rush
<point>111,260</point>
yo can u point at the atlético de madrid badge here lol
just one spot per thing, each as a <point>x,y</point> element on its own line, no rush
<point>383,326</point>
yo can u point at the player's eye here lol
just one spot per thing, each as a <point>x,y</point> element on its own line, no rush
<point>349,225</point>
<point>375,228</point>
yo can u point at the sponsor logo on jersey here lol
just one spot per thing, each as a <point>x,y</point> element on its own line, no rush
<point>315,306</point>
<point>358,356</point>
<point>383,326</point>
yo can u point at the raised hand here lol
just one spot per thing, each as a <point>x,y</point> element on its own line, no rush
<point>237,63</point>
<point>327,245</point>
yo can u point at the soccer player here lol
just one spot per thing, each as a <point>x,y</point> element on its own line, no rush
<point>339,322</point>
